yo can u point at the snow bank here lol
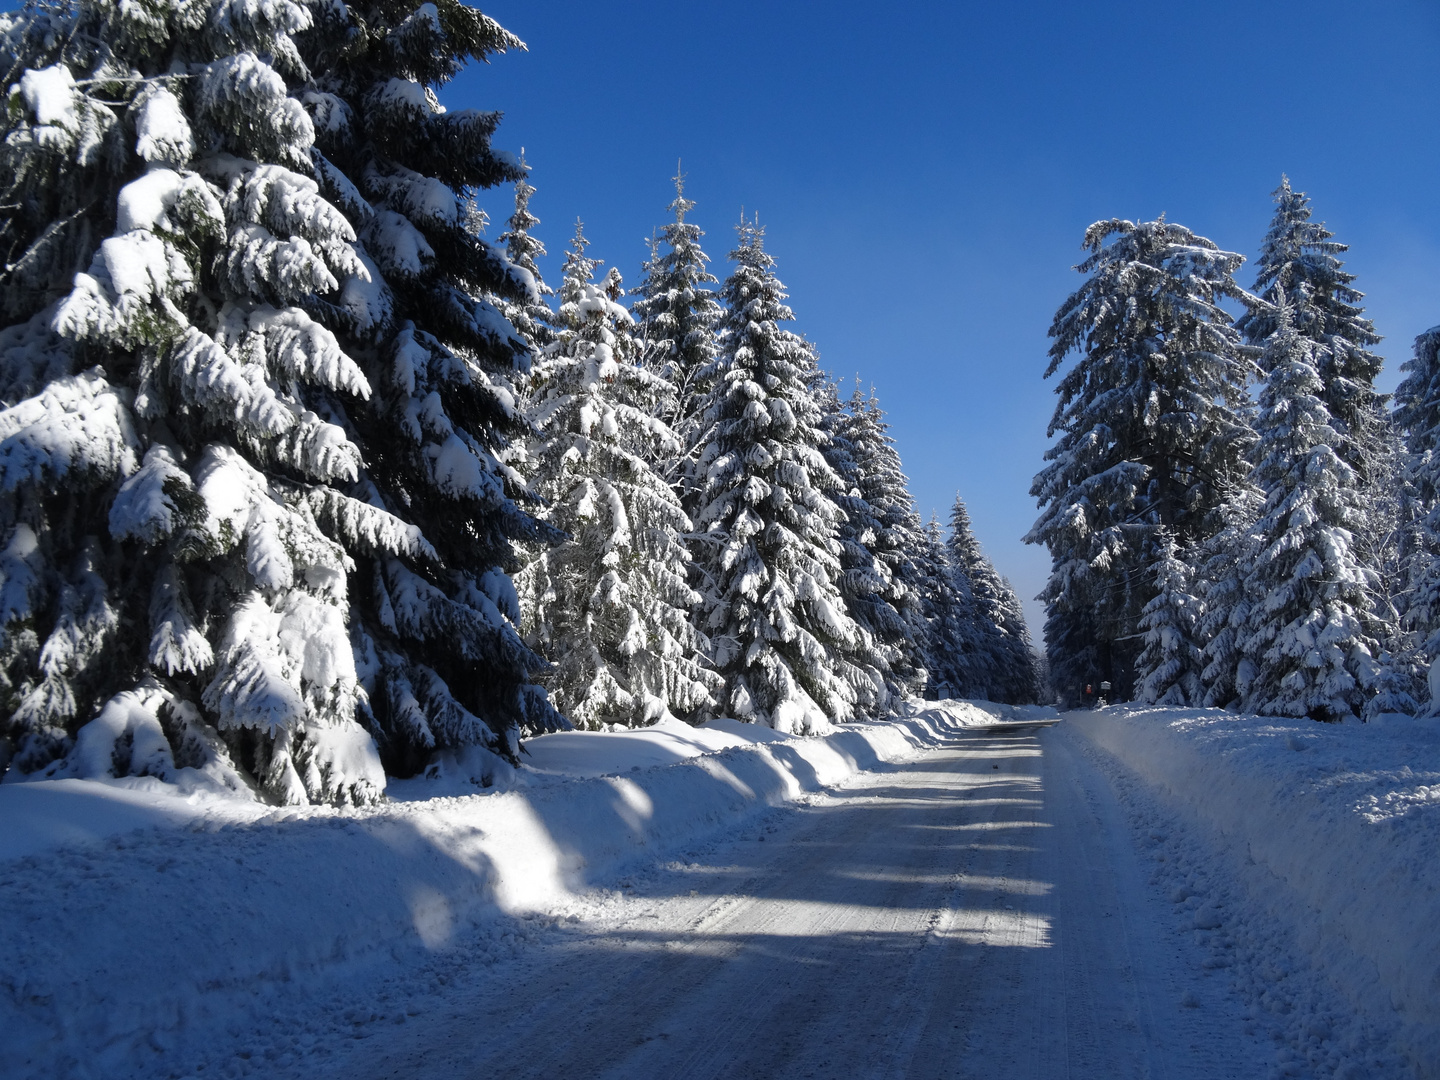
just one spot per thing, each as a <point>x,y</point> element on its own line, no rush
<point>134,920</point>
<point>1346,816</point>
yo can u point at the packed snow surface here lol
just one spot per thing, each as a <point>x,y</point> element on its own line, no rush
<point>1130,893</point>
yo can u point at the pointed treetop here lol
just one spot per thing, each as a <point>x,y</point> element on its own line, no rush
<point>681,206</point>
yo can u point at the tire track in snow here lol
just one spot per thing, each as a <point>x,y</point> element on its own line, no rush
<point>977,913</point>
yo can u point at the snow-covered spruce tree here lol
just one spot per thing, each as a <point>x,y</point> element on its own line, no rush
<point>863,581</point>
<point>950,654</point>
<point>1002,640</point>
<point>678,319</point>
<point>529,315</point>
<point>444,665</point>
<point>775,617</point>
<point>1150,430</point>
<point>1417,417</point>
<point>886,490</point>
<point>1023,668</point>
<point>1308,638</point>
<point>611,605</point>
<point>1300,259</point>
<point>1168,670</point>
<point>175,465</point>
<point>1221,563</point>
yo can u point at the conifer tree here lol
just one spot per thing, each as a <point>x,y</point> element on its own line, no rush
<point>1221,564</point>
<point>1308,637</point>
<point>883,485</point>
<point>175,452</point>
<point>1300,259</point>
<point>776,620</point>
<point>612,604</point>
<point>445,668</point>
<point>271,505</point>
<point>1150,430</point>
<point>1023,682</point>
<point>530,315</point>
<point>1417,418</point>
<point>949,644</point>
<point>1002,641</point>
<point>863,580</point>
<point>678,322</point>
<point>1168,671</point>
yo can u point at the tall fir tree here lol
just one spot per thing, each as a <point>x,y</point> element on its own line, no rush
<point>444,666</point>
<point>679,318</point>
<point>863,580</point>
<point>177,462</point>
<point>885,488</point>
<point>529,315</point>
<point>950,655</point>
<point>775,616</point>
<point>1168,671</point>
<point>611,605</point>
<point>1151,433</point>
<point>284,514</point>
<point>1308,649</point>
<point>1417,418</point>
<point>1300,259</point>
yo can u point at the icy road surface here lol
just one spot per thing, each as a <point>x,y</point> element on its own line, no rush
<point>980,912</point>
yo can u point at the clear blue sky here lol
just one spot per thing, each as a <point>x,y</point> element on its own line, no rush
<point>925,172</point>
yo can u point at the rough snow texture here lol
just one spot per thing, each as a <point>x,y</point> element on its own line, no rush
<point>95,981</point>
<point>1345,822</point>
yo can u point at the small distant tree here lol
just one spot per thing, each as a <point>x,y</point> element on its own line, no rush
<point>950,648</point>
<point>529,315</point>
<point>1001,636</point>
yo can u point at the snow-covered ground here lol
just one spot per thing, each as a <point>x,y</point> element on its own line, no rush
<point>1146,893</point>
<point>137,923</point>
<point>1311,865</point>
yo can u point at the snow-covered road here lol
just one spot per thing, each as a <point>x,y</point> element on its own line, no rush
<point>979,912</point>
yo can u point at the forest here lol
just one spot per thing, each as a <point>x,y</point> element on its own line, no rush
<point>1237,518</point>
<point>305,480</point>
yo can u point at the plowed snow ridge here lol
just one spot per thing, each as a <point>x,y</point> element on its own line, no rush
<point>912,899</point>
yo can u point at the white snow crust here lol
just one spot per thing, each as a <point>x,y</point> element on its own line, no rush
<point>1338,830</point>
<point>149,923</point>
<point>143,927</point>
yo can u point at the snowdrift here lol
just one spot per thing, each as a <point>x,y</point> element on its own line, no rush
<point>132,920</point>
<point>1347,817</point>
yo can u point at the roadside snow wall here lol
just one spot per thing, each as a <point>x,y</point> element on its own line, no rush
<point>141,940</point>
<point>1346,816</point>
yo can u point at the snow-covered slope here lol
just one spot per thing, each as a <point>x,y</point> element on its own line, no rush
<point>1343,819</point>
<point>134,920</point>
